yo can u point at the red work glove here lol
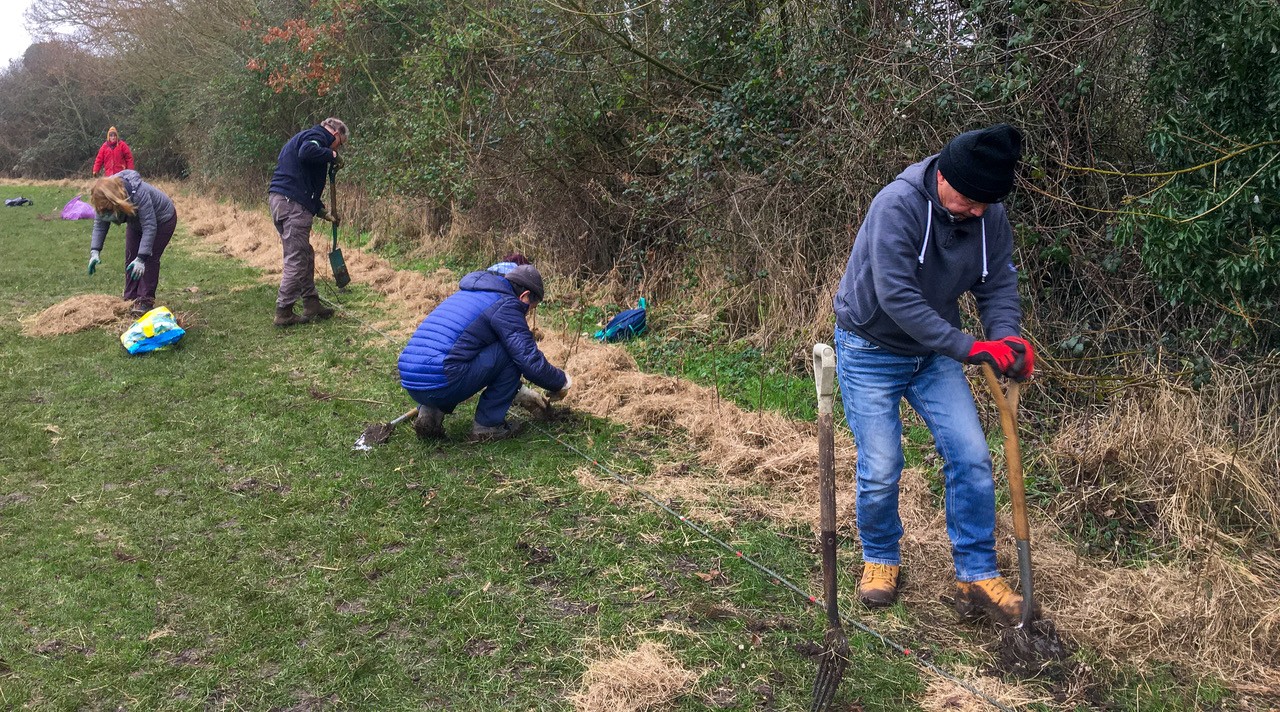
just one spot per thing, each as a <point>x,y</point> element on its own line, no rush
<point>1024,362</point>
<point>997,353</point>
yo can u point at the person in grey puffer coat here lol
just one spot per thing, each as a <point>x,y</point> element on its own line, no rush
<point>937,231</point>
<point>149,218</point>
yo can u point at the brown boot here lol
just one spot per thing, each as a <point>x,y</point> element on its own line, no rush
<point>314,310</point>
<point>879,585</point>
<point>993,598</point>
<point>491,433</point>
<point>286,317</point>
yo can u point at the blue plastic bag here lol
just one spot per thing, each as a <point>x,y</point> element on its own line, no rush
<point>626,325</point>
<point>157,329</point>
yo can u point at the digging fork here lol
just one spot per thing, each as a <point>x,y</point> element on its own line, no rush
<point>835,652</point>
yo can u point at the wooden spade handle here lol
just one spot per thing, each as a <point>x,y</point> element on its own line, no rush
<point>1008,405</point>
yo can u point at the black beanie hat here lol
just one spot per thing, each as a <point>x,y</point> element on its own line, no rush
<point>527,278</point>
<point>980,163</point>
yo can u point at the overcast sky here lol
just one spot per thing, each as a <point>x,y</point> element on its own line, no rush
<point>14,39</point>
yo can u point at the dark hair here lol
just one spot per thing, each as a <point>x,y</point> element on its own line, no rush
<point>515,257</point>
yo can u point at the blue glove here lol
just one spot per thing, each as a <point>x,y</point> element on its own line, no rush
<point>136,269</point>
<point>94,259</point>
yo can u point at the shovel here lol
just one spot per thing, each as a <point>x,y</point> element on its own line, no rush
<point>379,433</point>
<point>835,651</point>
<point>341,276</point>
<point>1007,402</point>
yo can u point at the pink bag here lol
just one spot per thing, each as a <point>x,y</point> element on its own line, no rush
<point>77,209</point>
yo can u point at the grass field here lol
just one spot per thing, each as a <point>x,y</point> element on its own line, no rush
<point>190,530</point>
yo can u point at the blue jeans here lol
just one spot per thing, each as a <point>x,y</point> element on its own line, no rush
<point>493,371</point>
<point>873,383</point>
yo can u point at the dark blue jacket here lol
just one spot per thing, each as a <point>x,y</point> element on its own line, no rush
<point>303,166</point>
<point>484,311</point>
<point>911,262</point>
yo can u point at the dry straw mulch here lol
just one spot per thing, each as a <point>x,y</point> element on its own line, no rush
<point>76,314</point>
<point>643,680</point>
<point>942,694</point>
<point>1210,619</point>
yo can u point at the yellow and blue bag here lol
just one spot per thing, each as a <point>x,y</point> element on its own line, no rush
<point>157,329</point>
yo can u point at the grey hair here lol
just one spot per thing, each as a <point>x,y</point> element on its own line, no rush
<point>336,126</point>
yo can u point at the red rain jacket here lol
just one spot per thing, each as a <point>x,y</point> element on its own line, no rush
<point>113,159</point>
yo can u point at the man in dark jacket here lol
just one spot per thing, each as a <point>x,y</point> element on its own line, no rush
<point>477,339</point>
<point>295,196</point>
<point>937,231</point>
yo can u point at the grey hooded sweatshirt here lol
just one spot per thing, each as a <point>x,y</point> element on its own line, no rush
<point>151,207</point>
<point>911,262</point>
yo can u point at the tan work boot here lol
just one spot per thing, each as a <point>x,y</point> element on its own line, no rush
<point>879,585</point>
<point>993,598</point>
<point>429,423</point>
<point>286,317</point>
<point>313,309</point>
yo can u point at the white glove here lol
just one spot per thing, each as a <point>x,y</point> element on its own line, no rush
<point>560,394</point>
<point>135,269</point>
<point>94,258</point>
<point>531,400</point>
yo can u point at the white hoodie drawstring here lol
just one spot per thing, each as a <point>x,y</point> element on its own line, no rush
<point>928,227</point>
<point>984,250</point>
<point>928,224</point>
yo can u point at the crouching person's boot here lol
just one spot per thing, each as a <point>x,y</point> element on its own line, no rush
<point>489,433</point>
<point>992,598</point>
<point>286,317</point>
<point>879,585</point>
<point>314,310</point>
<point>429,424</point>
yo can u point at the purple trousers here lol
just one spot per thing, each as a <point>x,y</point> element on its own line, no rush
<point>143,291</point>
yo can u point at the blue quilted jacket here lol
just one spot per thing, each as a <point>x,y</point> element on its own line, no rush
<point>484,311</point>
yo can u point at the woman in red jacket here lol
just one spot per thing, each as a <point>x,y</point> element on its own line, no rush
<point>114,156</point>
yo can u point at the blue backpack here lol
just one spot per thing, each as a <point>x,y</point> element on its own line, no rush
<point>625,325</point>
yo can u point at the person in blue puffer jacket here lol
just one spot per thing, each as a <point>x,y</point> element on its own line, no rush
<point>478,340</point>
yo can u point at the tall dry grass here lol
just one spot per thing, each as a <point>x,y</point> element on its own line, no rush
<point>1207,459</point>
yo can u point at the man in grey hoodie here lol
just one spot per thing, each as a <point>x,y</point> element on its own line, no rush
<point>937,231</point>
